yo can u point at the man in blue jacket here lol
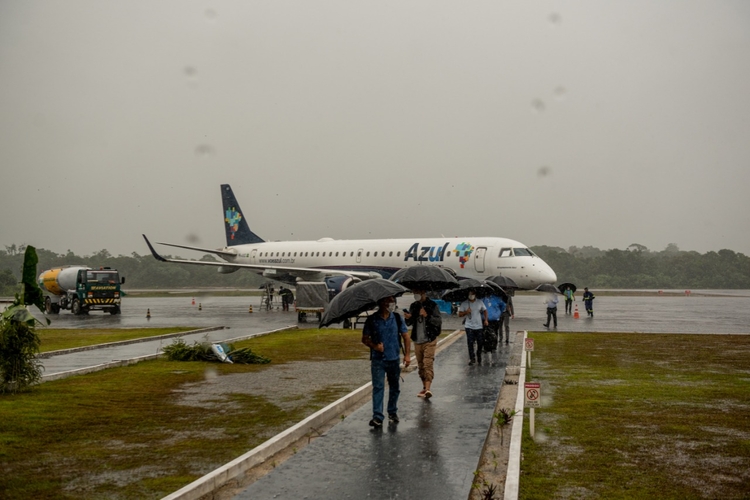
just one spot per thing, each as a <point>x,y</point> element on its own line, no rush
<point>381,334</point>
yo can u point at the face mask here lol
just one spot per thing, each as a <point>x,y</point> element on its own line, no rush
<point>472,296</point>
<point>391,307</point>
<point>417,296</point>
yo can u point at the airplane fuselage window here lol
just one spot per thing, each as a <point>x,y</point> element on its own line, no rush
<point>522,252</point>
<point>390,254</point>
<point>398,254</point>
<point>318,254</point>
<point>505,252</point>
<point>337,254</point>
<point>351,254</point>
<point>382,254</point>
<point>368,254</point>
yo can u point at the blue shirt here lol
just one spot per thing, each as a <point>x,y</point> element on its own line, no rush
<point>386,331</point>
<point>495,307</point>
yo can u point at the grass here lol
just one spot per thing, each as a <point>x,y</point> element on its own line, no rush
<point>122,432</point>
<point>639,416</point>
<point>53,339</point>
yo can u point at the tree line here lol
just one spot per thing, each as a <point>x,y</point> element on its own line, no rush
<point>633,267</point>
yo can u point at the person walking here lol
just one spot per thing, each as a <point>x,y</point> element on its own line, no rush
<point>588,301</point>
<point>569,298</point>
<point>475,314</point>
<point>424,318</point>
<point>287,298</point>
<point>551,303</point>
<point>492,334</point>
<point>381,334</point>
<point>505,318</point>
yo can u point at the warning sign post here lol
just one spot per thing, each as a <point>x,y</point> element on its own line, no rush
<point>532,399</point>
<point>528,345</point>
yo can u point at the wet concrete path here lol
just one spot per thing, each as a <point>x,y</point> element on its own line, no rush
<point>432,453</point>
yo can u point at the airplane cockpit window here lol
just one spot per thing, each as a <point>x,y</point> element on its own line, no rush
<point>522,252</point>
<point>506,252</point>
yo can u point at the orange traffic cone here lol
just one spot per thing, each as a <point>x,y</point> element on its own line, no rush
<point>193,301</point>
<point>575,314</point>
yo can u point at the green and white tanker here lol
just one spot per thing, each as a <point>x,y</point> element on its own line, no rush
<point>81,289</point>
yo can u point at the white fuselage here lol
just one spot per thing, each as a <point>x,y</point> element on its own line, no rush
<point>471,257</point>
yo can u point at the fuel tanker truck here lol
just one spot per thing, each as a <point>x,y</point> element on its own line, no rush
<point>81,289</point>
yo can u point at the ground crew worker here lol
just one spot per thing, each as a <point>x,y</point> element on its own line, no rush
<point>588,301</point>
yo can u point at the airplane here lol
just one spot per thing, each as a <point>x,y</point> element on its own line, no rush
<point>341,263</point>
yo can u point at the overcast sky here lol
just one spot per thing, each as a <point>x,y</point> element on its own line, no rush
<point>575,123</point>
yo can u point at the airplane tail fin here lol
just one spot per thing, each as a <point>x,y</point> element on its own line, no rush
<point>235,225</point>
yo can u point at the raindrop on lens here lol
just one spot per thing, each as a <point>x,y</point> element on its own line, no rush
<point>538,105</point>
<point>210,14</point>
<point>544,171</point>
<point>555,18</point>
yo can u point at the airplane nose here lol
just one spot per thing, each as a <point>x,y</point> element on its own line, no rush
<point>547,275</point>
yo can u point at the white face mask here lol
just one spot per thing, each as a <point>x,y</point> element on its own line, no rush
<point>417,296</point>
<point>391,307</point>
<point>472,296</point>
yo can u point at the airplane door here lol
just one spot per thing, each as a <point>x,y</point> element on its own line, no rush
<point>479,259</point>
<point>252,256</point>
<point>359,255</point>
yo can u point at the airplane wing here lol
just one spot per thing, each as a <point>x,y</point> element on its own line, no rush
<point>286,269</point>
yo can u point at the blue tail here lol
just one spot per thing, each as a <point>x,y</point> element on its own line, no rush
<point>235,225</point>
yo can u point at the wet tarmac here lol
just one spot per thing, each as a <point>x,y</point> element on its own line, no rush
<point>719,312</point>
<point>432,453</point>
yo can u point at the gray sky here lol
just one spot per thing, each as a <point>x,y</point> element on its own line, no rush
<point>576,123</point>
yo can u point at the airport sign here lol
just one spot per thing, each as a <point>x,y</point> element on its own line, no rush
<point>528,344</point>
<point>532,394</point>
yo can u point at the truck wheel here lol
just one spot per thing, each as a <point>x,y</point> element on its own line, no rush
<point>48,305</point>
<point>301,317</point>
<point>75,307</point>
<point>114,310</point>
<point>55,308</point>
<point>347,324</point>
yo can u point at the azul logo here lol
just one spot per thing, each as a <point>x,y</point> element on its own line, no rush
<point>463,252</point>
<point>424,254</point>
<point>232,217</point>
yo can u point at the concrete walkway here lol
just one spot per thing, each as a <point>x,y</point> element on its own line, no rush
<point>432,453</point>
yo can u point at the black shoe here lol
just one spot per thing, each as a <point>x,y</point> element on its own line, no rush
<point>545,326</point>
<point>471,362</point>
<point>376,423</point>
<point>393,418</point>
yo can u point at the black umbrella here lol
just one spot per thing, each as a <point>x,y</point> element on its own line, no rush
<point>465,286</point>
<point>497,290</point>
<point>428,278</point>
<point>566,285</point>
<point>505,282</point>
<point>359,298</point>
<point>546,287</point>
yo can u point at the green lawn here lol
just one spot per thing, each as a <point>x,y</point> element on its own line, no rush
<point>98,435</point>
<point>53,339</point>
<point>639,416</point>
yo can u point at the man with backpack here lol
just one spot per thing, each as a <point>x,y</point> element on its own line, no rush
<point>381,334</point>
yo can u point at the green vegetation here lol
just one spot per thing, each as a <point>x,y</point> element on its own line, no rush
<point>19,343</point>
<point>639,416</point>
<point>634,267</point>
<point>179,350</point>
<point>53,339</point>
<point>638,267</point>
<point>127,433</point>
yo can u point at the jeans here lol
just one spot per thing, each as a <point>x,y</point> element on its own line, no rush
<point>471,337</point>
<point>551,314</point>
<point>382,369</point>
<point>504,322</point>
